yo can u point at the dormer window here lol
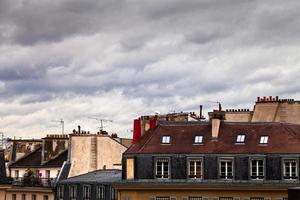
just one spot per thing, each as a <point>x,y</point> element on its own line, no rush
<point>263,139</point>
<point>240,138</point>
<point>165,139</point>
<point>198,139</point>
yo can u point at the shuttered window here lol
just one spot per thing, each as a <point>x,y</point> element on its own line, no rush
<point>195,168</point>
<point>73,192</point>
<point>86,192</point>
<point>290,169</point>
<point>257,169</point>
<point>226,169</point>
<point>100,193</point>
<point>162,168</point>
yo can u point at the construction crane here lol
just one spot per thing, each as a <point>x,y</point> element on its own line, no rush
<point>101,122</point>
<point>61,121</point>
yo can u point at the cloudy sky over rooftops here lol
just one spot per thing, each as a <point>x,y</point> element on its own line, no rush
<point>118,59</point>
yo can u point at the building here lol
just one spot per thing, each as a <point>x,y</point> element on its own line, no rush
<point>33,167</point>
<point>268,109</point>
<point>90,152</point>
<point>215,160</point>
<point>94,185</point>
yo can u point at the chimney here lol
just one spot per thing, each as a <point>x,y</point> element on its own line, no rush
<point>200,114</point>
<point>78,129</point>
<point>216,118</point>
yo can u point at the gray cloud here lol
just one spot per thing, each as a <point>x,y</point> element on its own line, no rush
<point>120,59</point>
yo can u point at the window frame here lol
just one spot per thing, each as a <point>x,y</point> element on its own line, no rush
<point>169,167</point>
<point>283,161</point>
<point>240,139</point>
<point>86,194</point>
<point>264,139</point>
<point>189,159</point>
<point>100,192</point>
<point>263,159</point>
<point>47,174</point>
<point>60,192</point>
<point>73,196</point>
<point>162,198</point>
<point>200,141</point>
<point>166,139</point>
<point>226,159</point>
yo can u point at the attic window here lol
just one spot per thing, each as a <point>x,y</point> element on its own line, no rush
<point>240,138</point>
<point>263,139</point>
<point>165,139</point>
<point>198,139</point>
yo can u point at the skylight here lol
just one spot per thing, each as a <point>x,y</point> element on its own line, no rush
<point>240,138</point>
<point>165,139</point>
<point>198,139</point>
<point>263,139</point>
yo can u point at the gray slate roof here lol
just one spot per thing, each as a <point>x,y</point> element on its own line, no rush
<point>98,176</point>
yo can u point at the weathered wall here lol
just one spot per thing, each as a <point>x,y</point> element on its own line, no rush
<point>53,146</point>
<point>211,193</point>
<point>85,157</point>
<point>238,116</point>
<point>265,112</point>
<point>21,148</point>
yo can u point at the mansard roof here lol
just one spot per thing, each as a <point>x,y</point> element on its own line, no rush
<point>282,138</point>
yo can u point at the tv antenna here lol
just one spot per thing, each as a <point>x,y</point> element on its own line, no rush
<point>61,121</point>
<point>219,103</point>
<point>101,122</point>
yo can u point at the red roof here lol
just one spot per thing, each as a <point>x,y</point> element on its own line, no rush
<point>283,138</point>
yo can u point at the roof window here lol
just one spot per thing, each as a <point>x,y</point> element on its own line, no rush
<point>198,139</point>
<point>166,139</point>
<point>263,139</point>
<point>240,138</point>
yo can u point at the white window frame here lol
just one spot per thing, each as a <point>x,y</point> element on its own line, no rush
<point>257,175</point>
<point>290,161</point>
<point>195,160</point>
<point>227,175</point>
<point>163,172</point>
<point>198,139</point>
<point>86,192</point>
<point>264,139</point>
<point>73,192</point>
<point>48,174</point>
<point>240,138</point>
<point>100,192</point>
<point>166,139</point>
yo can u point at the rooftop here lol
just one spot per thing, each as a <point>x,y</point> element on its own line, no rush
<point>282,138</point>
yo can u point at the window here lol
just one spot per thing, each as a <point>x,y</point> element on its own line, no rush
<point>198,139</point>
<point>165,139</point>
<point>226,198</point>
<point>48,174</point>
<point>162,198</point>
<point>240,138</point>
<point>73,192</point>
<point>86,192</point>
<point>130,168</point>
<point>263,139</point>
<point>37,172</point>
<point>16,173</point>
<point>45,197</point>
<point>194,168</point>
<point>23,196</point>
<point>257,169</point>
<point>257,198</point>
<point>195,198</point>
<point>60,192</point>
<point>33,197</point>
<point>290,169</point>
<point>100,193</point>
<point>14,196</point>
<point>162,168</point>
<point>114,195</point>
<point>226,168</point>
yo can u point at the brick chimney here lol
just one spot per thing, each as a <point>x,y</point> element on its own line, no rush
<point>216,117</point>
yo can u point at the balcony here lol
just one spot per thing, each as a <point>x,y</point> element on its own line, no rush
<point>34,182</point>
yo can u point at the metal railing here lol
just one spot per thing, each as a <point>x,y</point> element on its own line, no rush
<point>34,182</point>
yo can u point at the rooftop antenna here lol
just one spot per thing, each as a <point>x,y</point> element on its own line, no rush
<point>101,122</point>
<point>61,121</point>
<point>219,103</point>
<point>1,140</point>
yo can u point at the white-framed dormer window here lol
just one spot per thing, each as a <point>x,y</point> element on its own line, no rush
<point>198,139</point>
<point>86,192</point>
<point>240,138</point>
<point>263,139</point>
<point>257,168</point>
<point>290,169</point>
<point>165,139</point>
<point>226,168</point>
<point>195,168</point>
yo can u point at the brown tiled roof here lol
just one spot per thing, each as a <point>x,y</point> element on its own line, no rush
<point>283,138</point>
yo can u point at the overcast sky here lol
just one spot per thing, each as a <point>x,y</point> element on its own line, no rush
<point>119,59</point>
